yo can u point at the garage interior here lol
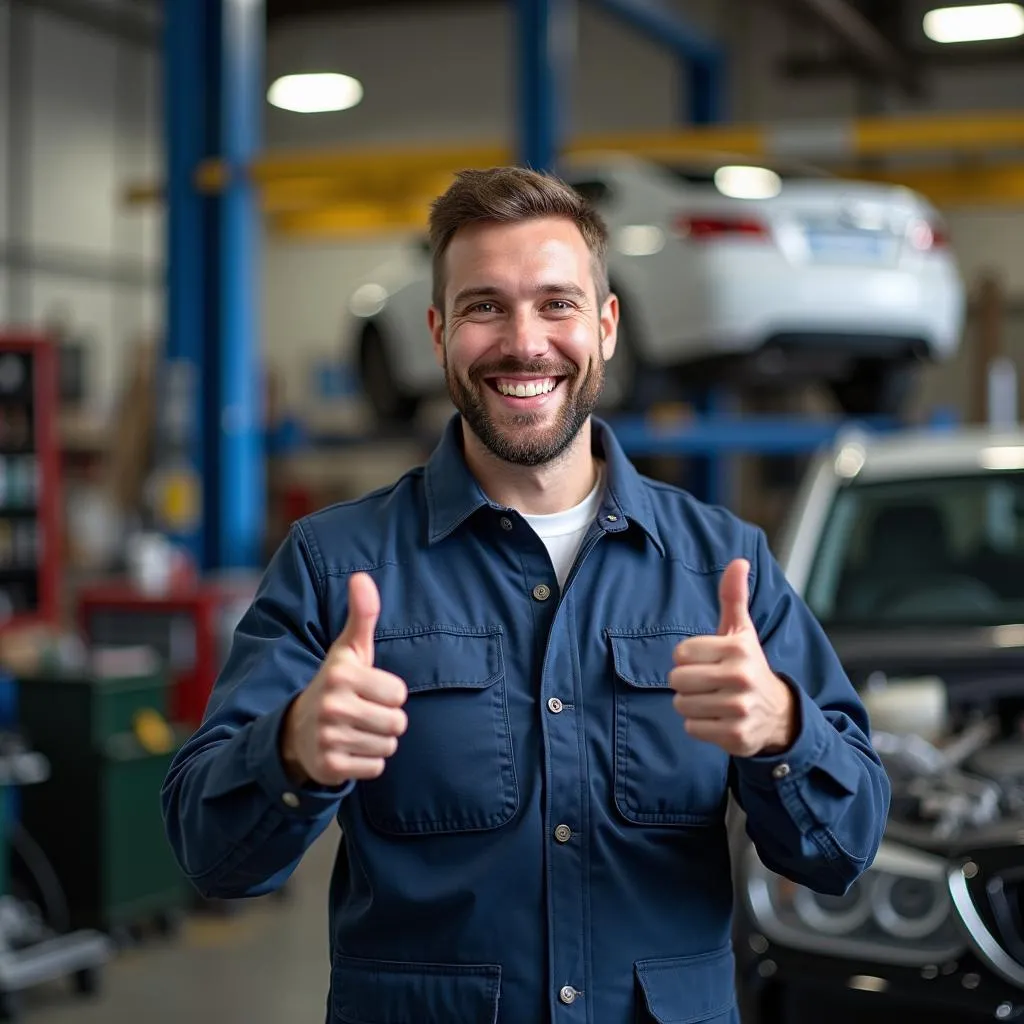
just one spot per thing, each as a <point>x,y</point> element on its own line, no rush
<point>201,262</point>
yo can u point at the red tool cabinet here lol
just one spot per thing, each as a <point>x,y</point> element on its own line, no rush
<point>190,627</point>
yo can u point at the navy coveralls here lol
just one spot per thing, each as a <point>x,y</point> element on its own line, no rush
<point>547,844</point>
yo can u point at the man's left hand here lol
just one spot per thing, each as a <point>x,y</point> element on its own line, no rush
<point>725,690</point>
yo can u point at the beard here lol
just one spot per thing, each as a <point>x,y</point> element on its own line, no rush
<point>518,439</point>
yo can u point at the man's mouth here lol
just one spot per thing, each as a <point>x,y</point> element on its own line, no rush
<point>513,387</point>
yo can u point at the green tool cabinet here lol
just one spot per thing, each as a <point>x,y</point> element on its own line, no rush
<point>98,817</point>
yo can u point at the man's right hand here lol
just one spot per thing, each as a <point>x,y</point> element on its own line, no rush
<point>346,723</point>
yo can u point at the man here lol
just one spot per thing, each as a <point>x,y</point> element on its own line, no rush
<point>525,680</point>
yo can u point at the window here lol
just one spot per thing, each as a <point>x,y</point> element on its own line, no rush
<point>923,552</point>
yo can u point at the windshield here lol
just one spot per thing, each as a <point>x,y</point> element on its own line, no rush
<point>923,552</point>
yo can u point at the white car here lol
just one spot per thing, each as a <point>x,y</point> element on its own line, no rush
<point>910,552</point>
<point>814,279</point>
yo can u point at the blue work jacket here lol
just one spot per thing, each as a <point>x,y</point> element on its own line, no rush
<point>547,844</point>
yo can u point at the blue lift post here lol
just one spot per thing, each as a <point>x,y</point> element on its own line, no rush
<point>238,429</point>
<point>546,42</point>
<point>186,138</point>
<point>213,88</point>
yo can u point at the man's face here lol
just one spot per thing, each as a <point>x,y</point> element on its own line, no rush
<point>523,343</point>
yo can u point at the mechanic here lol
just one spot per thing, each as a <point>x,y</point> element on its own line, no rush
<point>525,680</point>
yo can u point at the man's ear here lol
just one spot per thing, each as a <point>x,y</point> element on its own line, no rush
<point>435,321</point>
<point>609,325</point>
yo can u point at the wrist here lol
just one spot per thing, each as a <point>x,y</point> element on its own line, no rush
<point>787,725</point>
<point>288,748</point>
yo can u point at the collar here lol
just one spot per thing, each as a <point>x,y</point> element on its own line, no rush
<point>453,494</point>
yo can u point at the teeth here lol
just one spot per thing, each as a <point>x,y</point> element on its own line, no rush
<point>530,390</point>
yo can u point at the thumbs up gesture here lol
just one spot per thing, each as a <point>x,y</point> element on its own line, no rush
<point>725,689</point>
<point>346,723</point>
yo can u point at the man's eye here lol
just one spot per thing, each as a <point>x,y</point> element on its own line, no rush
<point>482,307</point>
<point>560,305</point>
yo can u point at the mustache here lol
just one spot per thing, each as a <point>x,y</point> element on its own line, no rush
<point>533,367</point>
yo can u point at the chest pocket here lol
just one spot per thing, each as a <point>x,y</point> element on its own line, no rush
<point>663,776</point>
<point>454,769</point>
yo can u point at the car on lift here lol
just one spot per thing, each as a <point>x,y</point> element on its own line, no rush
<point>910,552</point>
<point>726,273</point>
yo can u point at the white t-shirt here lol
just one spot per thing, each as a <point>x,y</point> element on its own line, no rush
<point>563,532</point>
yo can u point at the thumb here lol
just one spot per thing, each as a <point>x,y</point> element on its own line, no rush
<point>363,611</point>
<point>733,595</point>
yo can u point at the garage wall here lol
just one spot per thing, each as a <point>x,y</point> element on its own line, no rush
<point>85,119</point>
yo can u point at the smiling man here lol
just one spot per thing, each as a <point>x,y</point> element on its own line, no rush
<point>525,679</point>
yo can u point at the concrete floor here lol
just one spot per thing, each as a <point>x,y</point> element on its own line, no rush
<point>266,963</point>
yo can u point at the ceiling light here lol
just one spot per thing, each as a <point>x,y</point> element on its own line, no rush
<point>748,182</point>
<point>975,23</point>
<point>315,93</point>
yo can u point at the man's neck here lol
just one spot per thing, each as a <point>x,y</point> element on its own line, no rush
<point>535,490</point>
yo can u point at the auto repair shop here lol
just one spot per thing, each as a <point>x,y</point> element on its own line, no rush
<point>214,285</point>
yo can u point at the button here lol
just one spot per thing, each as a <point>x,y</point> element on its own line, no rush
<point>612,519</point>
<point>542,592</point>
<point>563,833</point>
<point>554,705</point>
<point>506,523</point>
<point>567,994</point>
<point>290,799</point>
<point>780,772</point>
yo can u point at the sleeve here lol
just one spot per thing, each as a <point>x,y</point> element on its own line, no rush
<point>816,813</point>
<point>237,826</point>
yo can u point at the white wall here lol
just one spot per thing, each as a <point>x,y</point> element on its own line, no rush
<point>86,122</point>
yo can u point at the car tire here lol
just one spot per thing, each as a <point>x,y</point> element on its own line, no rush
<point>380,386</point>
<point>875,389</point>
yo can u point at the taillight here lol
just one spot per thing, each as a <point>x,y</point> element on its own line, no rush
<point>927,237</point>
<point>702,228</point>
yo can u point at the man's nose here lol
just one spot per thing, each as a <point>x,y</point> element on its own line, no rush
<point>526,337</point>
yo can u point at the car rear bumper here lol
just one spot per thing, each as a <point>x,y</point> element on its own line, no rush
<point>748,299</point>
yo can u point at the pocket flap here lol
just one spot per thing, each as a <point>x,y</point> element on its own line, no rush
<point>689,989</point>
<point>387,992</point>
<point>646,660</point>
<point>442,659</point>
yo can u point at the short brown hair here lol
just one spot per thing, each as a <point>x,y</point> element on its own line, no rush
<point>508,195</point>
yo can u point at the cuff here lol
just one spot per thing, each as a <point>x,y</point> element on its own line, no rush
<point>263,757</point>
<point>768,770</point>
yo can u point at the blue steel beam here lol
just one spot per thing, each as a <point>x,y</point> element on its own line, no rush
<point>702,60</point>
<point>185,138</point>
<point>546,44</point>
<point>238,430</point>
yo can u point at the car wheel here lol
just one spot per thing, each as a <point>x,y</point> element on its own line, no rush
<point>389,403</point>
<point>875,389</point>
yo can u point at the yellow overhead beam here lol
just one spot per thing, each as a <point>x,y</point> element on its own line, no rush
<point>391,170</point>
<point>968,185</point>
<point>947,187</point>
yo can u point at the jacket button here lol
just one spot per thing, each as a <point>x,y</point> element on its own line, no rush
<point>506,523</point>
<point>567,994</point>
<point>563,833</point>
<point>542,592</point>
<point>554,705</point>
<point>290,799</point>
<point>780,772</point>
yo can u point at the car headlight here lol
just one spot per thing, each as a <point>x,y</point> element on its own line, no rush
<point>899,911</point>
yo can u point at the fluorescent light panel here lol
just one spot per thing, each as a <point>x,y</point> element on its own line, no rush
<point>315,93</point>
<point>975,23</point>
